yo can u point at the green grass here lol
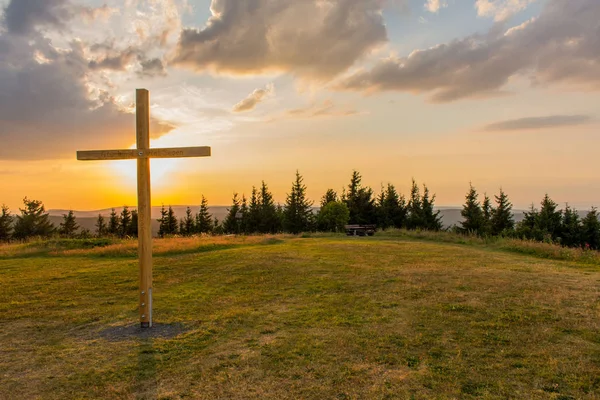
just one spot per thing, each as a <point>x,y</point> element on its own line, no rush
<point>396,316</point>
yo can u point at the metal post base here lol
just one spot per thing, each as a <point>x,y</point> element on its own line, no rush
<point>145,325</point>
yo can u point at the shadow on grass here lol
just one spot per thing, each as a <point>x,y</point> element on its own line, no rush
<point>146,383</point>
<point>135,332</point>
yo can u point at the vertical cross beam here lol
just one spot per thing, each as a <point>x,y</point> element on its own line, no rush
<point>143,153</point>
<point>144,207</point>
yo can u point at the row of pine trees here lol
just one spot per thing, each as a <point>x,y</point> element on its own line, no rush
<point>357,204</point>
<point>548,224</point>
<point>34,221</point>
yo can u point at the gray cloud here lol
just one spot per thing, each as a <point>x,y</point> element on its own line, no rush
<point>152,67</point>
<point>561,46</point>
<point>47,108</point>
<point>553,121</point>
<point>308,38</point>
<point>254,98</point>
<point>108,56</point>
<point>23,16</point>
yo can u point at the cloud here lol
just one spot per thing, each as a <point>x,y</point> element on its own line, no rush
<point>433,6</point>
<point>107,56</point>
<point>310,38</point>
<point>48,105</point>
<point>500,10</point>
<point>553,121</point>
<point>325,109</point>
<point>23,16</point>
<point>103,12</point>
<point>561,46</point>
<point>153,67</point>
<point>118,61</point>
<point>254,98</point>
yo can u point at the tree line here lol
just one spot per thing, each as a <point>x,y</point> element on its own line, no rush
<point>548,224</point>
<point>34,221</point>
<point>356,204</point>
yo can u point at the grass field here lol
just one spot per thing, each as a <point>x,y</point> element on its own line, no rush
<point>323,317</point>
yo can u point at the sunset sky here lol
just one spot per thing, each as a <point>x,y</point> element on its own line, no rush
<point>496,92</point>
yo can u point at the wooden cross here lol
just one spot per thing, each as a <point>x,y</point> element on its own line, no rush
<point>143,153</point>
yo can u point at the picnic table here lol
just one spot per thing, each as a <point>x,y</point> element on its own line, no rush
<point>360,230</point>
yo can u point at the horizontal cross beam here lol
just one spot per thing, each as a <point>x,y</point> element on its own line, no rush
<point>133,154</point>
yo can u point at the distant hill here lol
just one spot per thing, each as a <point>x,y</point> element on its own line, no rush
<point>87,219</point>
<point>217,211</point>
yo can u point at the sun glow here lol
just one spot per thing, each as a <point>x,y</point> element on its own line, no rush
<point>160,169</point>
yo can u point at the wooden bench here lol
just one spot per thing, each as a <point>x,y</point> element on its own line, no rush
<point>360,230</point>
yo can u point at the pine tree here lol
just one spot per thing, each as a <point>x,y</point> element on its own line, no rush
<point>351,197</point>
<point>69,226</point>
<point>354,186</point>
<point>549,220</point>
<point>487,211</point>
<point>473,219</point>
<point>279,213</point>
<point>163,222</point>
<point>393,210</point>
<point>571,229</point>
<point>365,205</point>
<point>101,228</point>
<point>270,221</point>
<point>244,210</point>
<point>125,221</point>
<point>415,218</point>
<point>33,221</point>
<point>432,219</point>
<point>113,223</point>
<point>528,227</point>
<point>231,224</point>
<point>502,222</point>
<point>133,226</point>
<point>591,230</point>
<point>360,202</point>
<point>204,223</point>
<point>188,223</point>
<point>181,226</point>
<point>383,220</point>
<point>217,228</point>
<point>297,213</point>
<point>328,197</point>
<point>253,223</point>
<point>6,220</point>
<point>400,215</point>
<point>172,223</point>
